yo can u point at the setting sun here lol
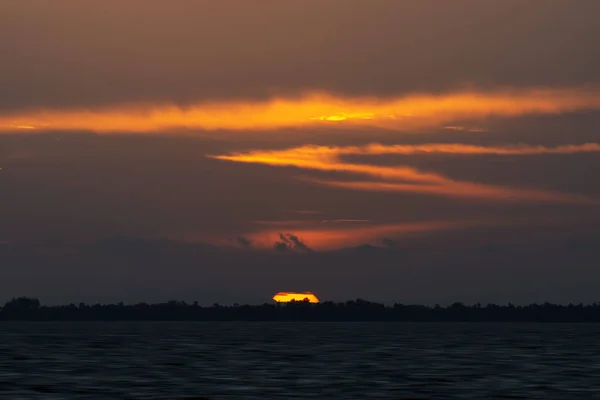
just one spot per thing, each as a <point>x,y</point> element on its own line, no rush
<point>286,297</point>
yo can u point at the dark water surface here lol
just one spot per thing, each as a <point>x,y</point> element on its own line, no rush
<point>234,360</point>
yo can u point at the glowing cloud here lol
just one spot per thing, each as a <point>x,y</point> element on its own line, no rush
<point>27,127</point>
<point>465,149</point>
<point>331,153</point>
<point>328,237</point>
<point>286,297</point>
<point>463,189</point>
<point>410,112</point>
<point>464,128</point>
<point>407,179</point>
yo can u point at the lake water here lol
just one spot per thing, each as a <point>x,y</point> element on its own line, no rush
<point>235,360</point>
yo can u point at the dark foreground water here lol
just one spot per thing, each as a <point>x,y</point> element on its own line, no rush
<point>298,361</point>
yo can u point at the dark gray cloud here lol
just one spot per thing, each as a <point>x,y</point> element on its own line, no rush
<point>111,51</point>
<point>245,242</point>
<point>387,242</point>
<point>282,246</point>
<point>290,242</point>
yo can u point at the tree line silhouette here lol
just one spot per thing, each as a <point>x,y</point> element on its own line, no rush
<point>31,309</point>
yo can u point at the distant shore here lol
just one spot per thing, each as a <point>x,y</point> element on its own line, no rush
<point>29,309</point>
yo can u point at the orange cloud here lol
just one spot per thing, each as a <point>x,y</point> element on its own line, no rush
<point>312,158</point>
<point>27,127</point>
<point>300,155</point>
<point>328,237</point>
<point>465,190</point>
<point>457,149</point>
<point>411,180</point>
<point>464,128</point>
<point>409,112</point>
<point>325,237</point>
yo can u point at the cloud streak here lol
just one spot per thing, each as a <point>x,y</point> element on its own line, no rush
<point>407,179</point>
<point>315,109</point>
<point>459,149</point>
<point>328,237</point>
<point>463,190</point>
<point>466,149</point>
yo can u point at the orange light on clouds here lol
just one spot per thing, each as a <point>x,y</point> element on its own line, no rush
<point>320,236</point>
<point>407,179</point>
<point>461,149</point>
<point>26,127</point>
<point>327,237</point>
<point>465,190</point>
<point>286,297</point>
<point>408,112</point>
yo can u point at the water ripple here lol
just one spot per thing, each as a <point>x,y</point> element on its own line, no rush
<point>298,361</point>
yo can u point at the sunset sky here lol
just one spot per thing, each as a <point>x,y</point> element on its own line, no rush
<point>223,151</point>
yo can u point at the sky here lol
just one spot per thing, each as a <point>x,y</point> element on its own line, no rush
<point>391,150</point>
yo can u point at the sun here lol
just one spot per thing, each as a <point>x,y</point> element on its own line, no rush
<point>286,297</point>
